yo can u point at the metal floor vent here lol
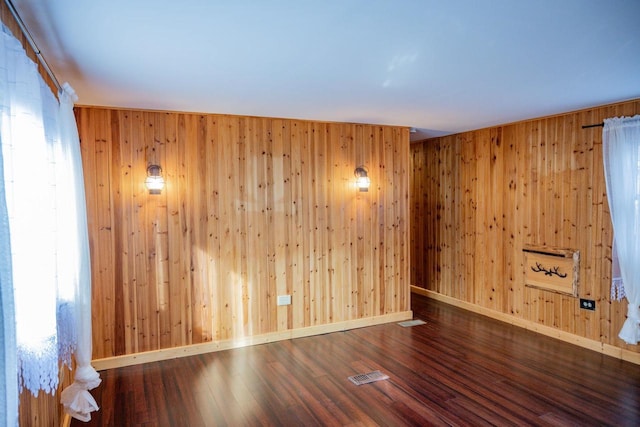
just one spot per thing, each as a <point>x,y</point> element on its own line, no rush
<point>368,377</point>
<point>412,323</point>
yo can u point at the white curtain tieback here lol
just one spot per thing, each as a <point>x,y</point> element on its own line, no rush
<point>78,402</point>
<point>88,376</point>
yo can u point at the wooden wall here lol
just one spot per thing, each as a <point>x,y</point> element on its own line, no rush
<point>478,197</point>
<point>253,208</point>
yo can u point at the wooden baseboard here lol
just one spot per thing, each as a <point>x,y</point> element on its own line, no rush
<point>609,350</point>
<point>209,347</point>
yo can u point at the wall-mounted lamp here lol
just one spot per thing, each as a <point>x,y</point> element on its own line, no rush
<point>154,181</point>
<point>362,178</point>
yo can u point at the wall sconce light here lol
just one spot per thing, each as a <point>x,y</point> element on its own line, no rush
<point>362,178</point>
<point>154,181</point>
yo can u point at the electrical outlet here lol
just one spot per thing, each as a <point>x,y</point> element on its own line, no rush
<point>587,304</point>
<point>284,299</point>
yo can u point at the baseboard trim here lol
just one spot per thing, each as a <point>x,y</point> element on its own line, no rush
<point>607,349</point>
<point>213,346</point>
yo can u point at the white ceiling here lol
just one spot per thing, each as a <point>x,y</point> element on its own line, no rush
<point>441,66</point>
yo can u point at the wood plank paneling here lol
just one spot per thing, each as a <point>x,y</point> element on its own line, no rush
<point>253,208</point>
<point>478,197</point>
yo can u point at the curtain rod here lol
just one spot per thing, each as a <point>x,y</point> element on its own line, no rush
<point>593,126</point>
<point>32,43</point>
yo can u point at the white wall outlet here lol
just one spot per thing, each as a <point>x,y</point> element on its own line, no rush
<point>284,299</point>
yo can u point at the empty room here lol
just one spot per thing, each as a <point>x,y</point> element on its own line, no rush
<point>336,213</point>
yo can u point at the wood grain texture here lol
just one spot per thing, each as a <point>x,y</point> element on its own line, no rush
<point>458,369</point>
<point>478,198</point>
<point>253,208</point>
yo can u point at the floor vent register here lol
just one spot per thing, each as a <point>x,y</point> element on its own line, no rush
<point>415,322</point>
<point>368,377</point>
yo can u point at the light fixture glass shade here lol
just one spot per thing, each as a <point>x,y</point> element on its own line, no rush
<point>362,178</point>
<point>363,183</point>
<point>154,181</point>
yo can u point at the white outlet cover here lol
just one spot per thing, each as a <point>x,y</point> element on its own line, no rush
<point>284,299</point>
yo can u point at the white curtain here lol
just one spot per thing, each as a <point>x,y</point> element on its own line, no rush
<point>621,154</point>
<point>8,361</point>
<point>44,192</point>
<point>28,176</point>
<point>76,398</point>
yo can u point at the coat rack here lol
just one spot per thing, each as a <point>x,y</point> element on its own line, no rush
<point>540,269</point>
<point>551,269</point>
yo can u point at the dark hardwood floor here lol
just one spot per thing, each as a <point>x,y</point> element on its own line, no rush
<point>458,369</point>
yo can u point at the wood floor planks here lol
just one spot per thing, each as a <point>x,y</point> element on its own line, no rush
<point>458,369</point>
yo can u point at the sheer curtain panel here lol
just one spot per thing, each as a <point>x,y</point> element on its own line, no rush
<point>8,362</point>
<point>621,154</point>
<point>8,348</point>
<point>28,188</point>
<point>76,398</point>
<point>47,235</point>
